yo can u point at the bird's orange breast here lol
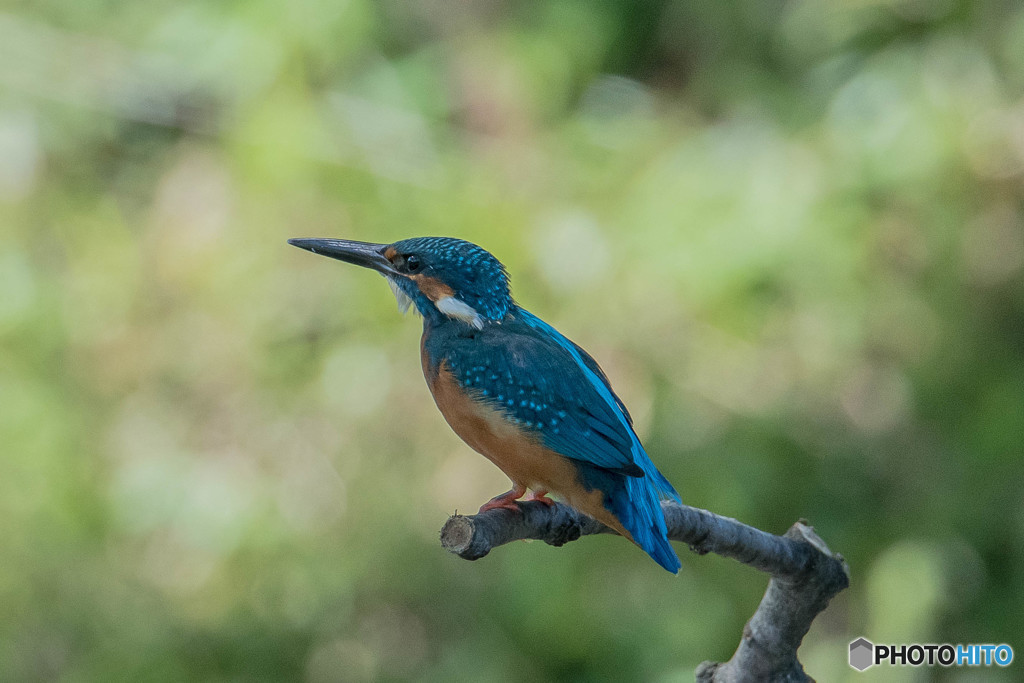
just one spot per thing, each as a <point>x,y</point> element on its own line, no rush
<point>518,453</point>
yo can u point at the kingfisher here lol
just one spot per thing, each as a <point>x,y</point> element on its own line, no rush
<point>516,390</point>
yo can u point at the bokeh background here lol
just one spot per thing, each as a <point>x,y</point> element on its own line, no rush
<point>790,231</point>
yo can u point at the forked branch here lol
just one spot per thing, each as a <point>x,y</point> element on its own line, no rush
<point>805,574</point>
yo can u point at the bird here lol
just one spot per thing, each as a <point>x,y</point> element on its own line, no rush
<point>518,391</point>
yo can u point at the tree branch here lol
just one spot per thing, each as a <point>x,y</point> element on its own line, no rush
<point>805,574</point>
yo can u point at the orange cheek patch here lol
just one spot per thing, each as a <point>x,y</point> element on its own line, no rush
<point>390,253</point>
<point>433,288</point>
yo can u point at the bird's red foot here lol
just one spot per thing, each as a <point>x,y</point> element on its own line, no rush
<point>541,497</point>
<point>506,500</point>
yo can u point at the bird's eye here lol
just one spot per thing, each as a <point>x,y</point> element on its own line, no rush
<point>412,263</point>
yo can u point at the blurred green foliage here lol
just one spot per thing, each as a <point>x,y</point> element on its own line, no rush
<point>790,231</point>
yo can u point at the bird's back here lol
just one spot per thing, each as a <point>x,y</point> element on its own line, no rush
<point>541,408</point>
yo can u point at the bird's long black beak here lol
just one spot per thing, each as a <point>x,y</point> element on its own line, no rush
<point>366,254</point>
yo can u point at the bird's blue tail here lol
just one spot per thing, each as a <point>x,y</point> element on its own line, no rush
<point>640,512</point>
<point>636,503</point>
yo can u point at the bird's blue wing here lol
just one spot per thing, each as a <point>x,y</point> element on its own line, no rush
<point>547,384</point>
<point>596,377</point>
<point>537,385</point>
<point>588,361</point>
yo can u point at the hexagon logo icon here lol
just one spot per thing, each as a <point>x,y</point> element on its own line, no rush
<point>862,654</point>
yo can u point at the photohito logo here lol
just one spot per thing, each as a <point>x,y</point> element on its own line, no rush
<point>865,654</point>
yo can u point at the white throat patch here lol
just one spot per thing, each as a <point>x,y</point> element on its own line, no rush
<point>404,302</point>
<point>456,308</point>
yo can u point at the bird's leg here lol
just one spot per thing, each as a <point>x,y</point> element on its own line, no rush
<point>506,500</point>
<point>541,497</point>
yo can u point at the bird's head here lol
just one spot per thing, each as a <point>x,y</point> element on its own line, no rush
<point>443,277</point>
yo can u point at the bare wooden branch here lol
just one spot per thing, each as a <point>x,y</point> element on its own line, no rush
<point>805,574</point>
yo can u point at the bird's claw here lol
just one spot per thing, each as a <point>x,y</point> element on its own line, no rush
<point>541,497</point>
<point>499,505</point>
<point>506,500</point>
